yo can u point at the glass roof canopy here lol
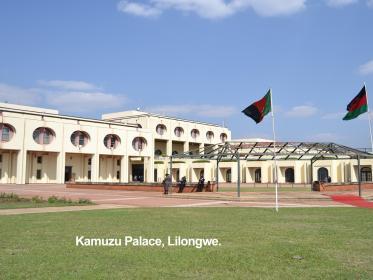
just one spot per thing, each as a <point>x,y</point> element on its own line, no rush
<point>263,151</point>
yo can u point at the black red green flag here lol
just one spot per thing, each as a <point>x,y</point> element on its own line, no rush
<point>260,108</point>
<point>357,106</point>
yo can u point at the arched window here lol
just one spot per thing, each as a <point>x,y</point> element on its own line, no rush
<point>223,137</point>
<point>139,144</point>
<point>210,135</point>
<point>179,131</point>
<point>258,175</point>
<point>289,175</point>
<point>161,129</point>
<point>6,132</point>
<point>111,141</point>
<point>43,135</point>
<point>228,176</point>
<point>158,153</point>
<point>322,174</point>
<point>366,174</point>
<point>194,133</point>
<point>79,138</point>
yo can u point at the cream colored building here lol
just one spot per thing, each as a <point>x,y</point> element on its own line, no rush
<point>41,146</point>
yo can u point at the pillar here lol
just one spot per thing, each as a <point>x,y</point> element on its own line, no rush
<point>95,167</point>
<point>124,169</point>
<point>21,167</point>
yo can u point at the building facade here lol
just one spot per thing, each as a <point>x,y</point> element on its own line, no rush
<point>41,146</point>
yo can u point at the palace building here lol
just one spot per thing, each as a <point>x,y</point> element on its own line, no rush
<point>41,146</point>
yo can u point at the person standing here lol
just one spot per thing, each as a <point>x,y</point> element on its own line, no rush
<point>182,184</point>
<point>167,184</point>
<point>201,184</point>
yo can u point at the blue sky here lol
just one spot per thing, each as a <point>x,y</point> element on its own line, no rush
<point>198,59</point>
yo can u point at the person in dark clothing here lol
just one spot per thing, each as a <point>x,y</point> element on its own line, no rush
<point>182,184</point>
<point>201,184</point>
<point>166,183</point>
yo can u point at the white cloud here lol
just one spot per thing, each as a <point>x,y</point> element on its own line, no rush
<point>366,68</point>
<point>212,9</point>
<point>333,116</point>
<point>68,85</point>
<point>67,101</point>
<point>195,110</point>
<point>370,3</point>
<point>302,111</point>
<point>324,137</point>
<point>18,95</point>
<point>340,3</point>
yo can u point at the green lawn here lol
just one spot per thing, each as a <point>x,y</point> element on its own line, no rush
<point>335,243</point>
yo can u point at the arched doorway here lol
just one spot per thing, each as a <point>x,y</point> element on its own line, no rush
<point>228,176</point>
<point>289,175</point>
<point>322,174</point>
<point>366,174</point>
<point>258,175</point>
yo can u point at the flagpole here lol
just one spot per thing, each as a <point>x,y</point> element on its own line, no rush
<point>369,119</point>
<point>274,149</point>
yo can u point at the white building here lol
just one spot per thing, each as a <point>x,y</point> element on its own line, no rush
<point>41,146</point>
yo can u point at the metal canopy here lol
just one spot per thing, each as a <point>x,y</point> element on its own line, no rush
<point>263,151</point>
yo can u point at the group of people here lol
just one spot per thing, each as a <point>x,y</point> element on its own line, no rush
<point>167,184</point>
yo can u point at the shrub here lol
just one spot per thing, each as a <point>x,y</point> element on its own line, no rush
<point>52,199</point>
<point>10,197</point>
<point>37,199</point>
<point>84,201</point>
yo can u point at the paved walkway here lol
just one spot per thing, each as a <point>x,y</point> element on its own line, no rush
<point>109,199</point>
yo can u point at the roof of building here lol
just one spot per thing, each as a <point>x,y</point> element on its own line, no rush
<point>137,114</point>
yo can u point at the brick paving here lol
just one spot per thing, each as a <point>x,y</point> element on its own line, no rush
<point>108,199</point>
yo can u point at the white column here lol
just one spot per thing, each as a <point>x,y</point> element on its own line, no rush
<point>124,169</point>
<point>186,147</point>
<point>169,148</point>
<point>21,167</point>
<point>95,167</point>
<point>61,158</point>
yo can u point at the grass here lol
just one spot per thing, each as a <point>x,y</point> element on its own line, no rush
<point>13,201</point>
<point>317,243</point>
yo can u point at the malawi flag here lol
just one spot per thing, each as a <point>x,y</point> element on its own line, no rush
<point>259,109</point>
<point>357,106</point>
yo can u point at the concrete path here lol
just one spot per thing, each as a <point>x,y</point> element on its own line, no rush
<point>109,199</point>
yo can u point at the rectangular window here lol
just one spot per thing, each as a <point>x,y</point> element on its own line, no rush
<point>118,162</point>
<point>38,174</point>
<point>118,175</point>
<point>89,161</point>
<point>81,140</point>
<point>89,174</point>
<point>1,158</point>
<point>40,159</point>
<point>1,173</point>
<point>5,134</point>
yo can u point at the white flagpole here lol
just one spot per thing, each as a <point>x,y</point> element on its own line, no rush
<point>274,149</point>
<point>369,119</point>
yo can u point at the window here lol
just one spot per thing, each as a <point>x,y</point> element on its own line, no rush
<point>1,173</point>
<point>39,159</point>
<point>258,175</point>
<point>118,162</point>
<point>289,175</point>
<point>89,161</point>
<point>210,135</point>
<point>111,141</point>
<point>38,174</point>
<point>89,174</point>
<point>118,175</point>
<point>366,174</point>
<point>179,131</point>
<point>228,176</point>
<point>161,129</point>
<point>194,133</point>
<point>79,138</point>
<point>43,135</point>
<point>155,174</point>
<point>322,174</point>
<point>6,132</point>
<point>139,144</point>
<point>1,158</point>
<point>223,137</point>
<point>158,153</point>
